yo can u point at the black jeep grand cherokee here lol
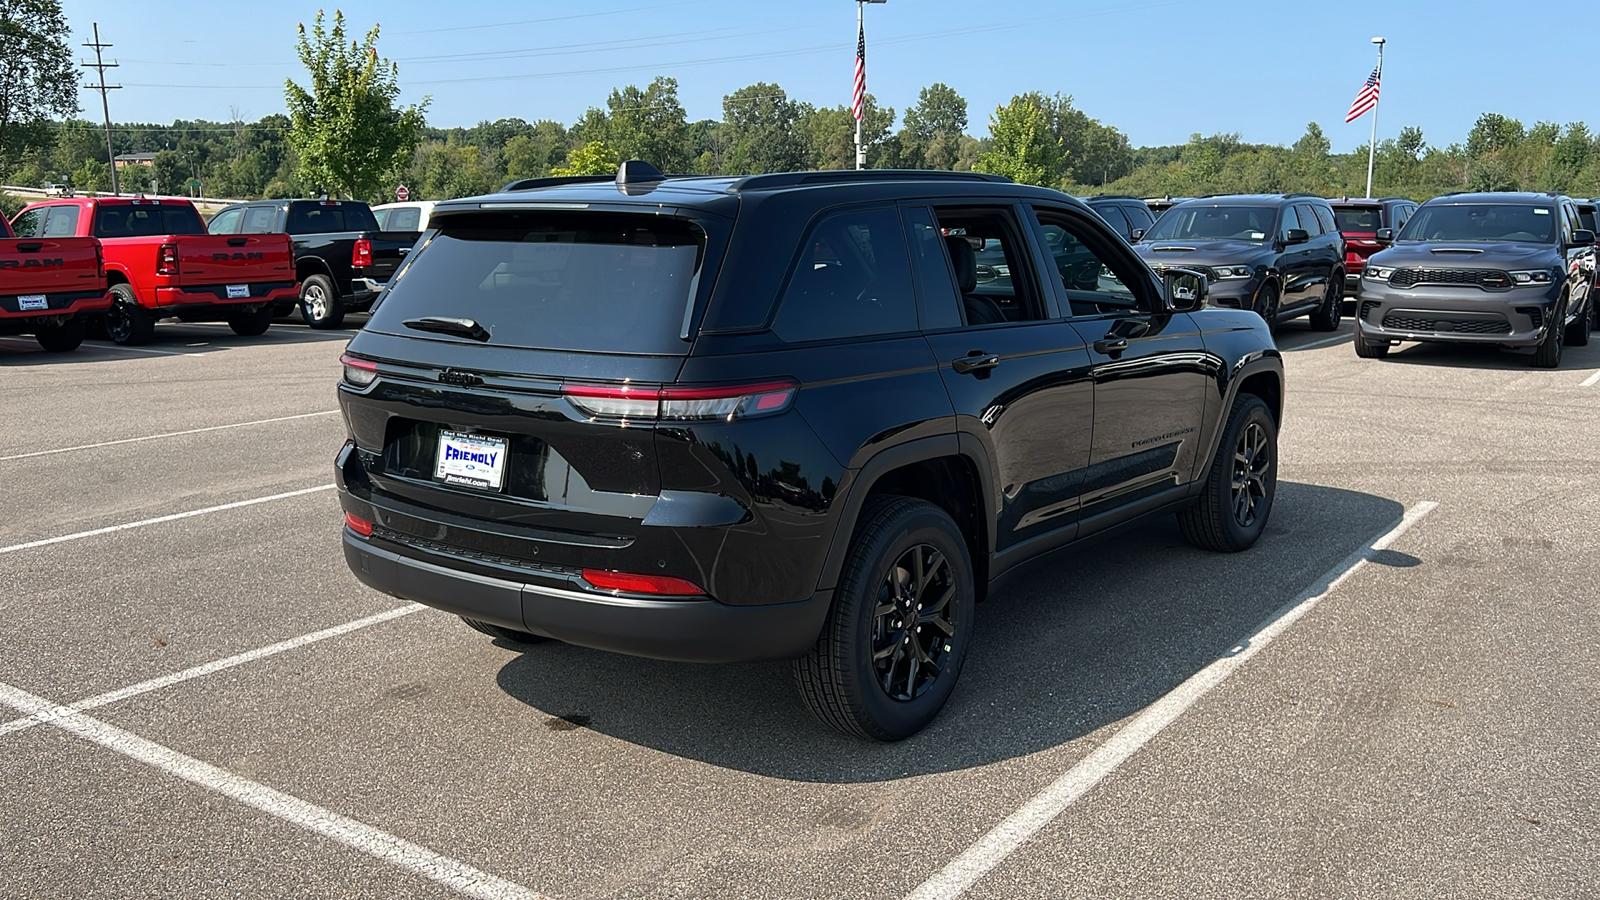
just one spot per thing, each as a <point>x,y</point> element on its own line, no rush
<point>783,416</point>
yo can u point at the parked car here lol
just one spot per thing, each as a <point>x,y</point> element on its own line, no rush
<point>342,258</point>
<point>1128,216</point>
<point>54,189</point>
<point>1589,216</point>
<point>779,416</point>
<point>50,287</point>
<point>161,263</point>
<point>1511,270</point>
<point>1280,255</point>
<point>1359,221</point>
<point>410,215</point>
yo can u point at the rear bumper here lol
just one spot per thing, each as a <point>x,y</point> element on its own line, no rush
<point>1516,318</point>
<point>702,631</point>
<point>218,295</point>
<point>56,305</point>
<point>363,293</point>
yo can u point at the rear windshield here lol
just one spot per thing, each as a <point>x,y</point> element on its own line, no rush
<point>1358,218</point>
<point>1482,222</point>
<point>603,282</point>
<point>128,220</point>
<point>319,217</point>
<point>1215,223</point>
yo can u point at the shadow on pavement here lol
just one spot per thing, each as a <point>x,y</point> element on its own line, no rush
<point>174,339</point>
<point>1075,642</point>
<point>1470,356</point>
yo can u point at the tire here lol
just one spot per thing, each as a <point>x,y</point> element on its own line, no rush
<point>127,322</point>
<point>1548,354</point>
<point>844,680</point>
<point>319,303</point>
<point>505,634</point>
<point>62,338</point>
<point>252,323</point>
<point>1368,350</point>
<point>1327,316</point>
<point>1267,306</point>
<point>1240,484</point>
<point>1578,332</point>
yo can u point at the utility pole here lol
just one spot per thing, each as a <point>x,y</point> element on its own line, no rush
<point>101,66</point>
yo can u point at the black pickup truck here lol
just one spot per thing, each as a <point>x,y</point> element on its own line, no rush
<point>341,257</point>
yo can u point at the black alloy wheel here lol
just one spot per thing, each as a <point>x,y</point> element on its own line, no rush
<point>1548,354</point>
<point>250,324</point>
<point>1252,464</point>
<point>1267,305</point>
<point>1327,316</point>
<point>914,622</point>
<point>127,322</point>
<point>1241,484</point>
<point>62,338</point>
<point>1579,331</point>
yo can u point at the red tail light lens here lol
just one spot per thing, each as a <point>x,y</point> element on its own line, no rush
<point>357,371</point>
<point>641,584</point>
<point>358,525</point>
<point>694,403</point>
<point>167,260</point>
<point>361,253</point>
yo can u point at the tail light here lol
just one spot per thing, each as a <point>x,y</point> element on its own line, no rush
<point>361,253</point>
<point>358,525</point>
<point>639,584</point>
<point>358,372</point>
<point>167,260</point>
<point>696,403</point>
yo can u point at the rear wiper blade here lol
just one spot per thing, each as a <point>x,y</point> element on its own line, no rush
<point>466,328</point>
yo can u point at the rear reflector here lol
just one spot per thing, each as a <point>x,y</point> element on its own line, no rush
<point>726,402</point>
<point>357,371</point>
<point>358,525</point>
<point>641,584</point>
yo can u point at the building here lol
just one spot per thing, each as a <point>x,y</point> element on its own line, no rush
<point>124,160</point>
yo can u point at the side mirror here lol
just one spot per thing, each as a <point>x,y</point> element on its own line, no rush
<point>1295,236</point>
<point>1583,237</point>
<point>1138,235</point>
<point>1183,290</point>
<point>1385,236</point>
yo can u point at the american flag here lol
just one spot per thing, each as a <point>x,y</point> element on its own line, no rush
<point>1367,99</point>
<point>861,73</point>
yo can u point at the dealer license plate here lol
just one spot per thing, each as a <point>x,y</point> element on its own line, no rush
<point>238,291</point>
<point>471,460</point>
<point>26,302</point>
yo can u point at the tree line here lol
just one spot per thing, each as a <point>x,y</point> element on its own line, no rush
<point>343,134</point>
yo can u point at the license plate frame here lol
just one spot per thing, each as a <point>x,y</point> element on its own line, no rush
<point>32,302</point>
<point>238,291</point>
<point>479,462</point>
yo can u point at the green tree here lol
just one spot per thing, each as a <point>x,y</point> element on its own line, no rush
<point>650,124</point>
<point>829,134</point>
<point>934,126</point>
<point>534,154</point>
<point>1309,161</point>
<point>346,131</point>
<point>1026,148</point>
<point>593,158</point>
<point>38,79</point>
<point>759,127</point>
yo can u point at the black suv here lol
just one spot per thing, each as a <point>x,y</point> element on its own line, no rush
<point>1513,270</point>
<point>1278,254</point>
<point>783,416</point>
<point>1128,216</point>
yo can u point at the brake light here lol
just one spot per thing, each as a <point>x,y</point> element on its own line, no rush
<point>691,403</point>
<point>358,372</point>
<point>358,525</point>
<point>641,584</point>
<point>167,260</point>
<point>361,253</point>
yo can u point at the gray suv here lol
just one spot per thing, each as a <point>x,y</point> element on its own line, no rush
<point>1280,255</point>
<point>1513,270</point>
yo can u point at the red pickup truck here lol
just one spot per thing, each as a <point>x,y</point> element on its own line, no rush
<point>50,287</point>
<point>162,263</point>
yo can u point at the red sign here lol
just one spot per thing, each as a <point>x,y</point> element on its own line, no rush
<point>401,194</point>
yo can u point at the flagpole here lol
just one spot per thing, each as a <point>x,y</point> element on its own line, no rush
<point>861,155</point>
<point>1372,146</point>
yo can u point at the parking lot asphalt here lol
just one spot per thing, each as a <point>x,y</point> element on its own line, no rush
<point>251,721</point>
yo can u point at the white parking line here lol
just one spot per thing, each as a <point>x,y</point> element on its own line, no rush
<point>152,437</point>
<point>210,668</point>
<point>98,345</point>
<point>388,848</point>
<point>978,860</point>
<point>159,519</point>
<point>1591,381</point>
<point>1323,343</point>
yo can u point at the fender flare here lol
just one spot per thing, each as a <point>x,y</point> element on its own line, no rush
<point>859,483</point>
<point>1270,361</point>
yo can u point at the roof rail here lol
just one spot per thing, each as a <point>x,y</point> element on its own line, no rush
<point>1300,194</point>
<point>837,176</point>
<point>1104,196</point>
<point>528,184</point>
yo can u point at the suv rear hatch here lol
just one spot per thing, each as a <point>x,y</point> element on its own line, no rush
<point>523,362</point>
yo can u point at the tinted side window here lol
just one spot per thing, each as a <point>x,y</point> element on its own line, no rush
<point>316,218</point>
<point>129,220</point>
<point>62,222</point>
<point>1308,219</point>
<point>1138,216</point>
<point>991,263</point>
<point>260,220</point>
<point>1115,218</point>
<point>1290,221</point>
<point>1325,219</point>
<point>226,222</point>
<point>939,303</point>
<point>1586,217</point>
<point>27,224</point>
<point>403,219</point>
<point>853,279</point>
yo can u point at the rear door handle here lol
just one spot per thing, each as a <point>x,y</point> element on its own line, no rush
<point>977,361</point>
<point>1110,345</point>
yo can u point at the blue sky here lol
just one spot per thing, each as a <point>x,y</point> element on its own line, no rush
<point>1158,70</point>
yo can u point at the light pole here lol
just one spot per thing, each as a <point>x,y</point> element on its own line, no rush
<point>1372,145</point>
<point>858,99</point>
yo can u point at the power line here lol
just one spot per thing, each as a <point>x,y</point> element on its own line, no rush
<point>100,65</point>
